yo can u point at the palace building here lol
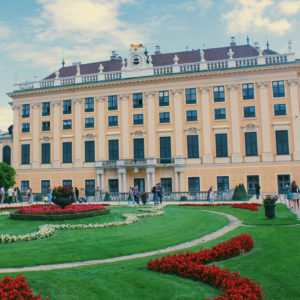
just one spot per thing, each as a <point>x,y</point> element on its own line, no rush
<point>189,120</point>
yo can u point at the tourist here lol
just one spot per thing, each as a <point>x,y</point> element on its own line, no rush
<point>10,193</point>
<point>130,196</point>
<point>76,194</point>
<point>49,195</point>
<point>211,195</point>
<point>160,192</point>
<point>287,189</point>
<point>2,193</point>
<point>295,193</point>
<point>16,194</point>
<point>257,190</point>
<point>136,194</point>
<point>155,196</point>
<point>30,195</point>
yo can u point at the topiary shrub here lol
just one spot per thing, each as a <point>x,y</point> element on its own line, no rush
<point>107,197</point>
<point>183,198</point>
<point>240,193</point>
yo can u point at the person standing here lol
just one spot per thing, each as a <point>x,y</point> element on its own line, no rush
<point>16,195</point>
<point>49,195</point>
<point>295,197</point>
<point>160,192</point>
<point>76,194</point>
<point>136,194</point>
<point>257,190</point>
<point>30,196</point>
<point>10,193</point>
<point>155,196</point>
<point>211,195</point>
<point>2,193</point>
<point>287,190</point>
<point>130,196</point>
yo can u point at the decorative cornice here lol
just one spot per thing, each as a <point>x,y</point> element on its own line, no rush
<point>100,99</point>
<point>15,107</point>
<point>150,94</point>
<point>177,92</point>
<point>46,138</point>
<point>293,82</point>
<point>56,103</point>
<point>36,105</point>
<point>138,133</point>
<point>77,101</point>
<point>124,97</point>
<point>204,89</point>
<point>89,136</point>
<point>233,87</point>
<point>192,130</point>
<point>250,127</point>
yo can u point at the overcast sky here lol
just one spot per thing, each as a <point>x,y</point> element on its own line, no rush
<point>36,34</point>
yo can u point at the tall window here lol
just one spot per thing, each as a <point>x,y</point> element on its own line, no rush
<point>25,110</point>
<point>221,145</point>
<point>278,89</point>
<point>163,98</point>
<point>25,154</point>
<point>24,186</point>
<point>46,126</point>
<point>194,184</point>
<point>67,124</point>
<point>89,123</point>
<point>138,119</point>
<point>89,104</point>
<point>138,148</point>
<point>113,185</point>
<point>46,109</point>
<point>165,149</point>
<point>46,153</point>
<point>190,96</point>
<point>113,149</point>
<point>248,91</point>
<point>89,151</point>
<point>113,121</point>
<point>137,100</point>
<point>67,107</point>
<point>25,127</point>
<point>166,184</point>
<point>220,113</point>
<point>223,183</point>
<point>219,94</point>
<point>249,111</point>
<point>67,152</point>
<point>113,102</point>
<point>6,155</point>
<point>282,142</point>
<point>44,186</point>
<point>89,187</point>
<point>280,109</point>
<point>164,117</point>
<point>67,182</point>
<point>251,143</point>
<point>191,115</point>
<point>193,146</point>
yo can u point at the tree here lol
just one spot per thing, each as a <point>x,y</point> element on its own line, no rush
<point>7,176</point>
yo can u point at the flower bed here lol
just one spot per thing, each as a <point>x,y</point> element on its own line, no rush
<point>191,265</point>
<point>250,206</point>
<point>54,212</point>
<point>17,288</point>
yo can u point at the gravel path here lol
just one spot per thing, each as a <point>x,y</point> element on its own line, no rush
<point>234,223</point>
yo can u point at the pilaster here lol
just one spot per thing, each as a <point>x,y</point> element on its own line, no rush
<point>35,135</point>
<point>78,139</point>
<point>56,135</point>
<point>15,148</point>
<point>178,123</point>
<point>101,128</point>
<point>125,126</point>
<point>151,128</point>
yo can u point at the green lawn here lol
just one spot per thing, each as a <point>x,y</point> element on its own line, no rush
<point>273,263</point>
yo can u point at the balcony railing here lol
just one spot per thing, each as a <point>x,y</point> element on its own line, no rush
<point>162,70</point>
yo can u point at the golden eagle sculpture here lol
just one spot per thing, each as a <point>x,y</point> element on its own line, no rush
<point>136,47</point>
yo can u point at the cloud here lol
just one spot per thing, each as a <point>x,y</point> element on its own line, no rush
<point>289,7</point>
<point>4,31</point>
<point>256,15</point>
<point>6,117</point>
<point>201,6</point>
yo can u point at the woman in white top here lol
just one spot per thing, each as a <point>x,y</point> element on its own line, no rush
<point>211,195</point>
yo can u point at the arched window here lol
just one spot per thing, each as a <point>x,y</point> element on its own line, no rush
<point>6,155</point>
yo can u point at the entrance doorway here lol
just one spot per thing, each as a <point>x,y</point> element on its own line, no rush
<point>252,180</point>
<point>141,184</point>
<point>282,181</point>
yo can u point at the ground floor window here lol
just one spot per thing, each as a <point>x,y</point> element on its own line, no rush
<point>223,183</point>
<point>194,184</point>
<point>67,182</point>
<point>282,181</point>
<point>24,186</point>
<point>113,185</point>
<point>89,187</point>
<point>44,186</point>
<point>166,184</point>
<point>252,181</point>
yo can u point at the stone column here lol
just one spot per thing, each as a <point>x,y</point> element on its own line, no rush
<point>295,117</point>
<point>15,148</point>
<point>176,181</point>
<point>35,136</point>
<point>125,126</point>
<point>265,121</point>
<point>207,157</point>
<point>148,183</point>
<point>124,181</point>
<point>78,139</point>
<point>120,181</point>
<point>153,179</point>
<point>101,128</point>
<point>102,182</point>
<point>57,147</point>
<point>151,128</point>
<point>235,128</point>
<point>180,181</point>
<point>178,123</point>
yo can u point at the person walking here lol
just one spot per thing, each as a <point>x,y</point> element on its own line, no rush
<point>49,195</point>
<point>287,190</point>
<point>160,192</point>
<point>76,194</point>
<point>257,190</point>
<point>2,194</point>
<point>16,195</point>
<point>136,194</point>
<point>10,193</point>
<point>155,196</point>
<point>211,195</point>
<point>295,197</point>
<point>130,196</point>
<point>30,196</point>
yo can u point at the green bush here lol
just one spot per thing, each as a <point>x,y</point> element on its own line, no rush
<point>39,217</point>
<point>107,197</point>
<point>240,193</point>
<point>183,198</point>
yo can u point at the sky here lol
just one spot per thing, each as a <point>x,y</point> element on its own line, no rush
<point>35,35</point>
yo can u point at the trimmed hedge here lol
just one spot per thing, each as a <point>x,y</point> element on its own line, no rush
<point>38,217</point>
<point>240,193</point>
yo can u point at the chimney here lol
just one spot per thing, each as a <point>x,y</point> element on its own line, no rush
<point>232,42</point>
<point>157,50</point>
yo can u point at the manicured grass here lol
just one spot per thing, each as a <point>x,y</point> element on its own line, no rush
<point>152,233</point>
<point>273,263</point>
